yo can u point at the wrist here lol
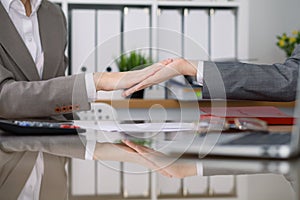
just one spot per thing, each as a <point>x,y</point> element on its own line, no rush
<point>186,67</point>
<point>191,68</point>
<point>96,77</point>
<point>115,152</point>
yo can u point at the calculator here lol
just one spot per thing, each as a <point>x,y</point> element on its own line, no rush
<point>38,127</point>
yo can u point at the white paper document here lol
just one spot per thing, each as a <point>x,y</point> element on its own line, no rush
<point>114,126</point>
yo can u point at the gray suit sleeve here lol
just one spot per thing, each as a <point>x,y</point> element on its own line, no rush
<point>72,146</point>
<point>29,99</point>
<point>277,82</point>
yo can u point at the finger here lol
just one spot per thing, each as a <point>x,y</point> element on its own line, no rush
<point>167,61</point>
<point>145,149</point>
<point>126,148</point>
<point>147,152</point>
<point>155,68</point>
<point>135,88</point>
<point>139,148</point>
<point>131,144</point>
<point>153,166</point>
<point>157,168</point>
<point>164,173</point>
<point>150,71</point>
<point>153,159</point>
<point>158,73</point>
<point>151,163</point>
<point>142,85</point>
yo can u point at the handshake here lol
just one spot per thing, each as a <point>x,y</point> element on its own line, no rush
<point>133,81</point>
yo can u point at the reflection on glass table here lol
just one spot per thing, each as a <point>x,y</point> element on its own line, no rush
<point>39,167</point>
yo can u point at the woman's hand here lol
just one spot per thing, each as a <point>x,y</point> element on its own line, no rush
<point>173,68</point>
<point>108,81</point>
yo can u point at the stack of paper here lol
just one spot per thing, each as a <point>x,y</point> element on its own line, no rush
<point>115,126</point>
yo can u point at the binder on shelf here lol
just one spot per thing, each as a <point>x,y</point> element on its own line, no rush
<point>168,186</point>
<point>108,46</point>
<point>136,29</point>
<point>83,177</point>
<point>108,39</point>
<point>195,185</point>
<point>223,34</point>
<point>223,184</point>
<point>136,181</point>
<point>169,34</point>
<point>108,178</point>
<point>83,41</point>
<point>196,31</point>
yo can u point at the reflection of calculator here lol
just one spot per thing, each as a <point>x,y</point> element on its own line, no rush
<point>36,127</point>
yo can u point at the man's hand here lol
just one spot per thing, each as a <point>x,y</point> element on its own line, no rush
<point>176,67</point>
<point>108,81</point>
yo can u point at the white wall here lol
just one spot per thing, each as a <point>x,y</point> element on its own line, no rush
<point>268,18</point>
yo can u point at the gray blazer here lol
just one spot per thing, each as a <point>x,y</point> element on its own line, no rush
<point>18,156</point>
<point>22,93</point>
<point>16,168</point>
<point>277,82</point>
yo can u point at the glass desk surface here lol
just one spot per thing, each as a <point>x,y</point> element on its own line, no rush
<point>65,172</point>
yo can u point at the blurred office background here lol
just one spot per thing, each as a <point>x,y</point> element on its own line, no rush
<point>243,30</point>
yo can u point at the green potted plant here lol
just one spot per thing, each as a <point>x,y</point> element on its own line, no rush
<point>288,44</point>
<point>133,61</point>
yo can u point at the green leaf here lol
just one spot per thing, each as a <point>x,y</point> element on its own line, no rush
<point>133,60</point>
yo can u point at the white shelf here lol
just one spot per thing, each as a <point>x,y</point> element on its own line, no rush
<point>112,2</point>
<point>199,3</point>
<point>157,2</point>
<point>57,1</point>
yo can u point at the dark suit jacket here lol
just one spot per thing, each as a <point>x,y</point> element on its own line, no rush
<point>234,80</point>
<point>22,93</point>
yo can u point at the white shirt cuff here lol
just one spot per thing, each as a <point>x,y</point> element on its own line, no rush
<point>200,73</point>
<point>90,87</point>
<point>90,149</point>
<point>199,166</point>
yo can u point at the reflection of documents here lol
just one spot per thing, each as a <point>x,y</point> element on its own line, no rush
<point>139,127</point>
<point>269,114</point>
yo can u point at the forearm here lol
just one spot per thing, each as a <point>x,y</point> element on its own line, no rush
<point>115,152</point>
<point>184,169</point>
<point>64,146</point>
<point>276,82</point>
<point>22,99</point>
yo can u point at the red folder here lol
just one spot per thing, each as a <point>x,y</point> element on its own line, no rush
<point>269,114</point>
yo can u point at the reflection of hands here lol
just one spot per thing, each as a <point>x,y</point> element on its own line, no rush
<point>123,153</point>
<point>173,68</point>
<point>120,80</point>
<point>162,163</point>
